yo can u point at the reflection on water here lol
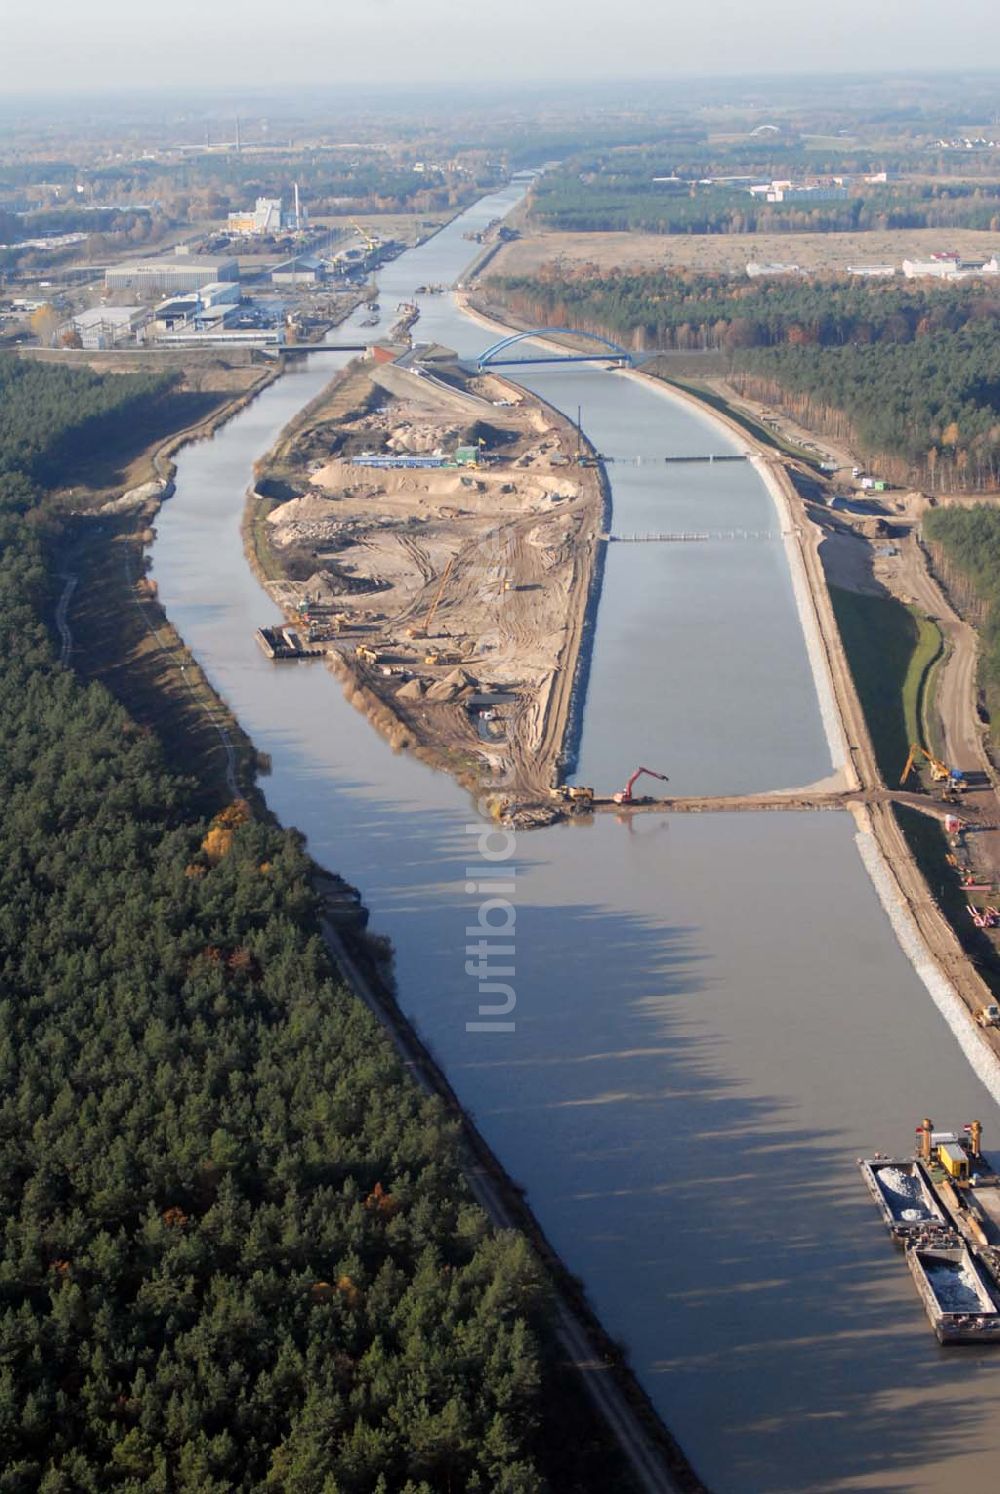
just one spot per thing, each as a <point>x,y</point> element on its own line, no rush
<point>713,1017</point>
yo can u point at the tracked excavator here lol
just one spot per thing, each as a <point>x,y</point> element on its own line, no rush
<point>625,796</point>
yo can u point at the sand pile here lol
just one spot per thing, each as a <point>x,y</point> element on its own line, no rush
<point>302,510</point>
<point>135,497</point>
<point>321,587</point>
<point>412,690</point>
<point>458,685</point>
<point>423,439</point>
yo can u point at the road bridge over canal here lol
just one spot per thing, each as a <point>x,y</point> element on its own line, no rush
<point>604,351</point>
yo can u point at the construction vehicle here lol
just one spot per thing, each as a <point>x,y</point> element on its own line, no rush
<point>365,654</point>
<point>443,656</point>
<point>626,796</point>
<point>989,1015</point>
<point>574,793</point>
<point>422,629</point>
<point>370,241</point>
<point>953,778</point>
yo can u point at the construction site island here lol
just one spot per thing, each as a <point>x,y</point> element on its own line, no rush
<point>434,534</point>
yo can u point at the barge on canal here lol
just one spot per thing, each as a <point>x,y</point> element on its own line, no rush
<point>943,1207</point>
<point>904,1195</point>
<point>285,643</point>
<point>958,1297</point>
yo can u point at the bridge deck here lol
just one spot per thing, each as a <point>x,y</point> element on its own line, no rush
<point>795,801</point>
<point>606,357</point>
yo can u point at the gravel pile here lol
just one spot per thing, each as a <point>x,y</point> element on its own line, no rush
<point>903,1193</point>
<point>954,1286</point>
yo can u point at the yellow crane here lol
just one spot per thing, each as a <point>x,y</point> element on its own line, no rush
<point>940,772</point>
<point>370,241</point>
<point>432,609</point>
<point>425,626</point>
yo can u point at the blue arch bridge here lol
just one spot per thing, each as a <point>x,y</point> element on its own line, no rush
<point>605,350</point>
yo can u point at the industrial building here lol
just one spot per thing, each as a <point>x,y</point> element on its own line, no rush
<point>209,309</point>
<point>108,326</point>
<point>940,266</point>
<point>179,272</point>
<point>304,269</point>
<point>215,337</point>
<point>810,191</point>
<point>268,217</point>
<point>756,269</point>
<point>949,267</point>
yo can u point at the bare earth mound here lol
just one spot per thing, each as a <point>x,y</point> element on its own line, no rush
<point>424,581</point>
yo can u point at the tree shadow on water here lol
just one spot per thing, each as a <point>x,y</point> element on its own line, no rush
<point>734,1249</point>
<point>730,1245</point>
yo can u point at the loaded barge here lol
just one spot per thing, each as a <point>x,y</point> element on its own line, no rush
<point>943,1207</point>
<point>285,643</point>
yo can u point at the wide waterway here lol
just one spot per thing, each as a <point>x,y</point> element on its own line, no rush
<point>713,1015</point>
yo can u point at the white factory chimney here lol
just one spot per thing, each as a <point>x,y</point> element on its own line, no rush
<point>298,220</point>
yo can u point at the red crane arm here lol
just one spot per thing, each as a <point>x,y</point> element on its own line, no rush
<point>650,772</point>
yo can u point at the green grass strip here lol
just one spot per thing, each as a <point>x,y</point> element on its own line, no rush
<point>917,686</point>
<point>890,649</point>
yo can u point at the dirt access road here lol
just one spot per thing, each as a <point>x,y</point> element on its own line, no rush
<point>956,686</point>
<point>910,579</point>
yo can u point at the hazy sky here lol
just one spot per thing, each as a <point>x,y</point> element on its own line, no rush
<point>65,44</point>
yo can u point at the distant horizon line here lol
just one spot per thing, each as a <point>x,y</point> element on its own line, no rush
<point>501,82</point>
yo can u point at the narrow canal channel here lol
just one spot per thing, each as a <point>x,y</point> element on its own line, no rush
<point>713,1016</point>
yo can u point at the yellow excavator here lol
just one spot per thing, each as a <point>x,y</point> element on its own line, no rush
<point>940,772</point>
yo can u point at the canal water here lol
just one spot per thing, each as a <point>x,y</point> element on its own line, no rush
<point>713,1016</point>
